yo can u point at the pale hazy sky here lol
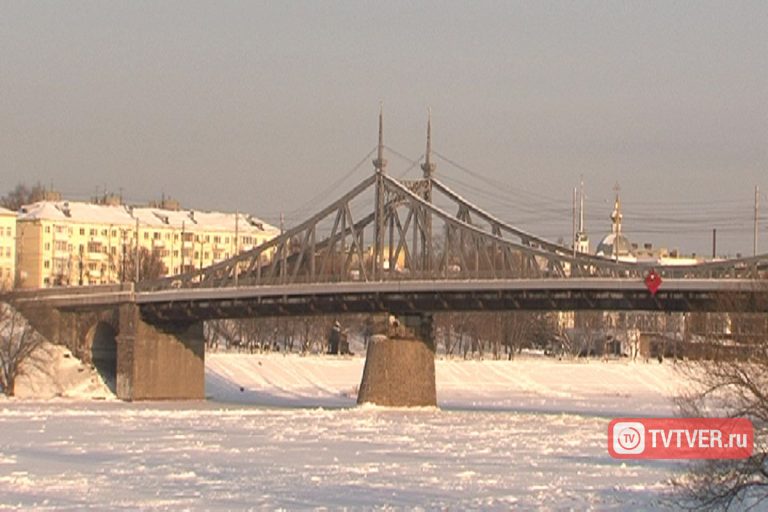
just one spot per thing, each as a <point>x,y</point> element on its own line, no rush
<point>261,106</point>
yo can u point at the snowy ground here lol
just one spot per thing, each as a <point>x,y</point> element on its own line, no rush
<point>523,434</point>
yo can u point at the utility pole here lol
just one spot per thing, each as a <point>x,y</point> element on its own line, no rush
<point>573,215</point>
<point>616,219</point>
<point>138,253</point>
<point>183,243</point>
<point>754,240</point>
<point>284,252</point>
<point>201,254</point>
<point>125,251</point>
<point>237,247</point>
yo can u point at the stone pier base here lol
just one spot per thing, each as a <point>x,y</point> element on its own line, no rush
<point>159,363</point>
<point>400,367</point>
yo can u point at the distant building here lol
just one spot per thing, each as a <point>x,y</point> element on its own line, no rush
<point>615,245</point>
<point>7,248</point>
<point>69,243</point>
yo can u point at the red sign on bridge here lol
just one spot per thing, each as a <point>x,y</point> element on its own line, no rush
<point>653,282</point>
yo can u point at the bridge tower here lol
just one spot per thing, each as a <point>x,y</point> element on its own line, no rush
<point>400,360</point>
<point>380,164</point>
<point>428,167</point>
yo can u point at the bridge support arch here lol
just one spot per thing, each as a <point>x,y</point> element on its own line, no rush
<point>103,351</point>
<point>400,363</point>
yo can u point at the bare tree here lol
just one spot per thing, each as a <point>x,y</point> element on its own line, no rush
<point>18,342</point>
<point>22,195</point>
<point>732,383</point>
<point>151,266</point>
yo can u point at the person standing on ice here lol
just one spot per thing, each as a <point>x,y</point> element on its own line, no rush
<point>334,338</point>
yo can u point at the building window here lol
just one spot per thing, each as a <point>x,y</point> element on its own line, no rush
<point>47,229</point>
<point>114,233</point>
<point>156,235</point>
<point>46,264</point>
<point>92,232</point>
<point>82,231</point>
<point>47,246</point>
<point>217,239</point>
<point>146,235</point>
<point>103,232</point>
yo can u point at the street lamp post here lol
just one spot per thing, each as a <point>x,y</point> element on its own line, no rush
<point>202,244</point>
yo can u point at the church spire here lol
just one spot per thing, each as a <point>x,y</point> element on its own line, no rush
<point>616,215</point>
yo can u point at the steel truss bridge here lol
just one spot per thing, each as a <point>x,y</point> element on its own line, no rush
<point>418,246</point>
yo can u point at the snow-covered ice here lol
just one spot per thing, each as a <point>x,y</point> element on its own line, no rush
<point>282,432</point>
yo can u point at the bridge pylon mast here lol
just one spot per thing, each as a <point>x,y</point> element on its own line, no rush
<point>428,167</point>
<point>380,164</point>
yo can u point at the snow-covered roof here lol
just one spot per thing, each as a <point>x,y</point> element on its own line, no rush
<point>75,211</point>
<point>7,212</point>
<point>195,220</point>
<point>192,220</point>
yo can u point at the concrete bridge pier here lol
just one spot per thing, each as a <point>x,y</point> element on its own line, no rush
<point>143,361</point>
<point>159,362</point>
<point>400,363</point>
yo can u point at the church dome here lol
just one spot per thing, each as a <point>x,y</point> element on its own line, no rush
<point>606,246</point>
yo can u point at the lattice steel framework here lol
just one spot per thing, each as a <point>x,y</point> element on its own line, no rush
<point>385,229</point>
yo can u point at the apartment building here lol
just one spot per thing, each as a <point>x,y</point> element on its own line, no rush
<point>187,239</point>
<point>7,248</point>
<point>67,243</point>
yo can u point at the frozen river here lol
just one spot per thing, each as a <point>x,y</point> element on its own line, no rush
<point>511,436</point>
